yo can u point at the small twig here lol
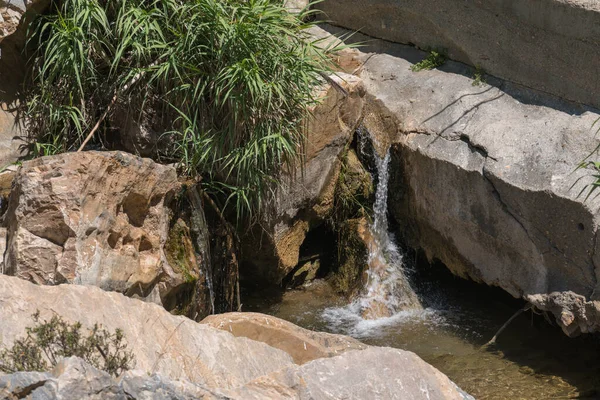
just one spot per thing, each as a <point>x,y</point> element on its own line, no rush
<point>95,128</point>
<point>515,315</point>
<point>113,101</point>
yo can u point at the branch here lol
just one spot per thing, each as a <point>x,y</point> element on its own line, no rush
<point>515,315</point>
<point>128,85</point>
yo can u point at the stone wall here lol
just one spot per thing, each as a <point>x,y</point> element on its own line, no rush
<point>549,45</point>
<point>484,179</point>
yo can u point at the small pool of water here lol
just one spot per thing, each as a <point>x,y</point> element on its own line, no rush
<point>532,359</point>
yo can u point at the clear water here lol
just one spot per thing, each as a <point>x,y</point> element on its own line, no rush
<point>532,360</point>
<point>446,324</point>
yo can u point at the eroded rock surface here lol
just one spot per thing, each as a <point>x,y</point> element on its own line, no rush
<point>483,177</point>
<point>549,45</point>
<point>376,372</point>
<point>93,218</point>
<point>307,196</point>
<point>74,379</point>
<point>179,358</point>
<point>172,346</point>
<point>301,344</point>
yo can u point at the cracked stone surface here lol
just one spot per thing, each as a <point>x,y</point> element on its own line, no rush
<point>306,196</point>
<point>93,218</point>
<point>483,178</point>
<point>548,45</point>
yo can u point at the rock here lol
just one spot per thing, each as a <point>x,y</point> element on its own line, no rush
<point>179,358</point>
<point>94,218</point>
<point>306,197</point>
<point>381,373</point>
<point>172,346</point>
<point>349,275</point>
<point>15,16</point>
<point>574,313</point>
<point>74,379</point>
<point>550,45</point>
<point>483,177</point>
<point>12,11</point>
<point>306,272</point>
<point>301,344</point>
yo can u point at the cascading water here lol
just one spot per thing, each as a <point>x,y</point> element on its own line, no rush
<point>388,292</point>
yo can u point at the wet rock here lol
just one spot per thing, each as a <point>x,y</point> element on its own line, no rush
<point>307,195</point>
<point>94,218</point>
<point>483,177</point>
<point>301,344</point>
<point>349,276</point>
<point>306,273</point>
<point>550,45</point>
<point>172,346</point>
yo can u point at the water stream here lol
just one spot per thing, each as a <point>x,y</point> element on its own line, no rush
<point>446,324</point>
<point>388,290</point>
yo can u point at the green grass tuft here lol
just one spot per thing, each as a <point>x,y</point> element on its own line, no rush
<point>434,59</point>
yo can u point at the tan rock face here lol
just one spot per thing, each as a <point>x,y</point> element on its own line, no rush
<point>301,344</point>
<point>172,346</point>
<point>92,218</point>
<point>306,197</point>
<point>177,357</point>
<point>374,373</point>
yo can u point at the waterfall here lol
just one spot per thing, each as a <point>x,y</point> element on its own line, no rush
<point>388,289</point>
<point>201,243</point>
<point>388,292</point>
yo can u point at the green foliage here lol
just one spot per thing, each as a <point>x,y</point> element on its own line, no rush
<point>353,193</point>
<point>49,341</point>
<point>594,166</point>
<point>478,76</point>
<point>434,59</point>
<point>228,84</point>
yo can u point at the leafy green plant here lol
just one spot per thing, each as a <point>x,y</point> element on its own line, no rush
<point>227,84</point>
<point>594,166</point>
<point>49,341</point>
<point>434,59</point>
<point>478,76</point>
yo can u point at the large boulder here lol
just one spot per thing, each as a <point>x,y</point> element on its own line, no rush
<point>179,358</point>
<point>306,195</point>
<point>74,379</point>
<point>550,45</point>
<point>172,346</point>
<point>374,373</point>
<point>94,218</point>
<point>301,344</point>
<point>484,179</point>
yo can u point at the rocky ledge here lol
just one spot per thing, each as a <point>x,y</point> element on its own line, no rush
<point>179,358</point>
<point>548,45</point>
<point>484,179</point>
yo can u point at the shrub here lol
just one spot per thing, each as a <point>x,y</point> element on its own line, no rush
<point>433,60</point>
<point>227,82</point>
<point>49,341</point>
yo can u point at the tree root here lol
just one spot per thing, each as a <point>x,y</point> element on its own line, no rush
<point>503,327</point>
